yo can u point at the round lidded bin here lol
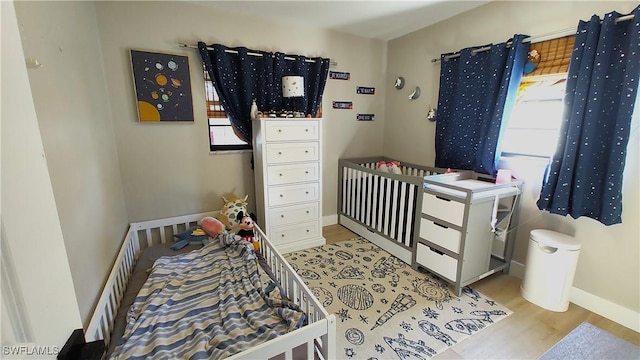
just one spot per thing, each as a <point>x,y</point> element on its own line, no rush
<point>550,267</point>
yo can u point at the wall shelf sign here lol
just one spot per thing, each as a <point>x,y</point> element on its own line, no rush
<point>343,105</point>
<point>339,75</point>
<point>366,117</point>
<point>365,90</point>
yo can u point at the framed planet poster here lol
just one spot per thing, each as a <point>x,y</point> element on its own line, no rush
<point>163,86</point>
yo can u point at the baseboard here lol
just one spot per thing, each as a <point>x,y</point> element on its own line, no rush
<point>612,311</point>
<point>516,269</point>
<point>330,220</point>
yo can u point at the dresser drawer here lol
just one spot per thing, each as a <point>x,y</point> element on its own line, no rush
<point>291,130</point>
<point>441,208</point>
<point>442,264</point>
<point>291,194</point>
<point>439,234</point>
<point>292,233</point>
<point>294,214</point>
<point>278,153</point>
<point>287,174</point>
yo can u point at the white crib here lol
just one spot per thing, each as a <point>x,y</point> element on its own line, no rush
<point>314,340</point>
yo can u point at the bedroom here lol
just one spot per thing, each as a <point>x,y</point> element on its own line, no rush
<point>108,170</point>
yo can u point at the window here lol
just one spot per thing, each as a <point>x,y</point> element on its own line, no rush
<point>222,135</point>
<point>534,125</point>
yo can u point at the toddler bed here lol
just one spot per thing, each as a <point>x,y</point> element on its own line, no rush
<point>382,206</point>
<point>147,241</point>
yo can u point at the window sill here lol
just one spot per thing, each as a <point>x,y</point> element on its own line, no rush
<point>227,152</point>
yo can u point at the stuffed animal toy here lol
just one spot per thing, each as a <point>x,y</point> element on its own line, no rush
<point>394,167</point>
<point>382,166</point>
<point>209,228</point>
<point>245,231</point>
<point>230,210</point>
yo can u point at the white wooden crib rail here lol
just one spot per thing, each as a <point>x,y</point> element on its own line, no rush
<point>139,236</point>
<point>320,331</point>
<point>318,335</point>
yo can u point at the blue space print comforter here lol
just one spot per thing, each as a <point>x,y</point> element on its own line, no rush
<point>207,304</point>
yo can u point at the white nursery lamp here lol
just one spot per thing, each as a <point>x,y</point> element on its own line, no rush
<point>293,87</point>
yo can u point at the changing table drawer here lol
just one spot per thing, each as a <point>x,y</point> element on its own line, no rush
<point>441,264</point>
<point>287,174</point>
<point>293,233</point>
<point>439,234</point>
<point>441,208</point>
<point>292,152</point>
<point>279,130</point>
<point>291,194</point>
<point>294,214</point>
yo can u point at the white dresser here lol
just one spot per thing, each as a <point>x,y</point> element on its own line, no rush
<point>288,176</point>
<point>456,239</point>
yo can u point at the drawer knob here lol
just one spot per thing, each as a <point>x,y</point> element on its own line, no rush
<point>306,192</point>
<point>307,211</point>
<point>280,174</point>
<point>307,230</point>
<point>281,195</point>
<point>282,235</point>
<point>279,152</point>
<point>279,130</point>
<point>307,130</point>
<point>282,216</point>
<point>306,172</point>
<point>306,151</point>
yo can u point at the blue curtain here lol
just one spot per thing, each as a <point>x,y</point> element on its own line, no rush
<point>585,175</point>
<point>477,90</point>
<point>240,75</point>
<point>314,71</point>
<point>239,78</point>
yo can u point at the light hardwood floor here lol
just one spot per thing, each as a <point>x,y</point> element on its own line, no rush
<point>525,334</point>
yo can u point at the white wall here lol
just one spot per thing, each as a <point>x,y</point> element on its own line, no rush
<point>74,114</point>
<point>167,168</point>
<point>608,269</point>
<point>32,233</point>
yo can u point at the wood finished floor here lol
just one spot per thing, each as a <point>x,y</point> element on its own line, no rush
<point>525,334</point>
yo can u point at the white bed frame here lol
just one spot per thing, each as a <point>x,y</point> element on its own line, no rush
<point>318,337</point>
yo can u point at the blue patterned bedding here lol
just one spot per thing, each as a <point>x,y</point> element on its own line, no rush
<point>207,304</point>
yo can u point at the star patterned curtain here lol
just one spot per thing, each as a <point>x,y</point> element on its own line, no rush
<point>477,90</point>
<point>241,75</point>
<point>585,175</point>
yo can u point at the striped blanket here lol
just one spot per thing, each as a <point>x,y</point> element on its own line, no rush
<point>207,304</point>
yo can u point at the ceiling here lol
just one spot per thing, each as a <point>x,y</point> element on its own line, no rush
<point>380,19</point>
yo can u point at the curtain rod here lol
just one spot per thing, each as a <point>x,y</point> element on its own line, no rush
<point>551,36</point>
<point>332,63</point>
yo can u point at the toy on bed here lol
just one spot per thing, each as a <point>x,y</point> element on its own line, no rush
<point>200,234</point>
<point>245,230</point>
<point>390,167</point>
<point>229,213</point>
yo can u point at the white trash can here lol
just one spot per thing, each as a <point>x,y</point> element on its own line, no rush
<point>551,265</point>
